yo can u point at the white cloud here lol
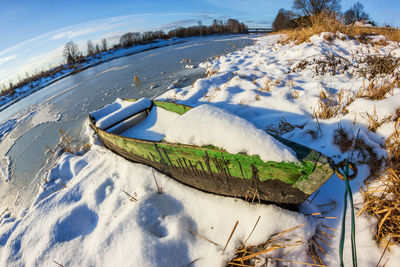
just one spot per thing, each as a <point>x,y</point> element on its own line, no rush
<point>92,27</point>
<point>178,23</point>
<point>74,33</point>
<point>5,59</point>
<point>31,65</point>
<point>33,54</point>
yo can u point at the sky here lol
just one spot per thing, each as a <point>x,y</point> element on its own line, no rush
<point>33,33</point>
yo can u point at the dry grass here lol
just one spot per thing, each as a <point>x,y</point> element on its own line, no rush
<point>68,144</point>
<point>294,94</point>
<point>230,236</point>
<point>136,81</point>
<point>343,140</point>
<point>328,23</point>
<point>323,64</point>
<point>362,151</point>
<point>393,147</point>
<point>210,73</point>
<point>383,201</point>
<point>283,127</point>
<point>379,64</point>
<point>316,25</point>
<point>277,244</point>
<point>131,198</point>
<point>377,89</point>
<point>317,243</point>
<point>266,87</point>
<point>373,120</point>
<point>333,104</point>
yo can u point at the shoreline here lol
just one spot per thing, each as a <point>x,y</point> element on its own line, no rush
<point>101,60</point>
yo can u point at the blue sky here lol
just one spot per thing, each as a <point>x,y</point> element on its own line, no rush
<point>33,33</point>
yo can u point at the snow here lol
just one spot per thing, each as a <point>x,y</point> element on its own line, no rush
<point>120,110</point>
<point>5,168</point>
<point>208,125</point>
<point>107,109</point>
<point>22,92</point>
<point>154,126</point>
<point>85,216</point>
<point>92,221</point>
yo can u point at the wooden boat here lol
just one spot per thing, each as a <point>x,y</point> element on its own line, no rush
<point>214,170</point>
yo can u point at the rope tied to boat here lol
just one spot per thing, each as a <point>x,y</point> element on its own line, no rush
<point>342,171</point>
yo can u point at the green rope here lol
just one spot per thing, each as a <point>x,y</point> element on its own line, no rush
<point>353,227</point>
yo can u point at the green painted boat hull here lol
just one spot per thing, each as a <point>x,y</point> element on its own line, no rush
<point>214,170</point>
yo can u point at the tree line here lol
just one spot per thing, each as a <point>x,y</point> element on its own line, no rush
<point>302,10</point>
<point>74,56</point>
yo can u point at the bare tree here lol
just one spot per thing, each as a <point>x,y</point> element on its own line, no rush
<point>355,13</point>
<point>127,39</point>
<point>282,20</point>
<point>71,52</point>
<point>98,50</point>
<point>104,44</point>
<point>90,48</point>
<point>313,7</point>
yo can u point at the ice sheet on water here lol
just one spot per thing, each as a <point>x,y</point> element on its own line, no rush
<point>5,168</point>
<point>7,126</point>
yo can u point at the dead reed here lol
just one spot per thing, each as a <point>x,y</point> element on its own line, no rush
<point>283,127</point>
<point>326,22</point>
<point>323,64</point>
<point>377,89</point>
<point>136,81</point>
<point>333,104</point>
<point>230,236</point>
<point>159,189</point>
<point>59,264</point>
<point>375,65</point>
<point>374,122</point>
<point>363,152</point>
<point>343,140</point>
<point>383,200</point>
<point>131,198</point>
<point>203,237</point>
<point>278,244</point>
<point>68,144</point>
<point>315,25</point>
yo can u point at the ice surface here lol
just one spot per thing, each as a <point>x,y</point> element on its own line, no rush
<point>208,125</point>
<point>5,168</point>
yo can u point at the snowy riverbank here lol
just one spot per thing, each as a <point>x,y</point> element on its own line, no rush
<point>7,100</point>
<point>99,209</point>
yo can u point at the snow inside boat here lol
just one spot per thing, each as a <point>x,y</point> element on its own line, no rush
<point>137,129</point>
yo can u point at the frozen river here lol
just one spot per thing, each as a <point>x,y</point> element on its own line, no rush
<point>31,125</point>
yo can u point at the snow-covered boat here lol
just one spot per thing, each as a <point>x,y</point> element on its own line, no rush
<point>209,168</point>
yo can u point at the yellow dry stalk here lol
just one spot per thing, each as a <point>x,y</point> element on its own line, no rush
<point>373,120</point>
<point>324,22</point>
<point>136,81</point>
<point>245,255</point>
